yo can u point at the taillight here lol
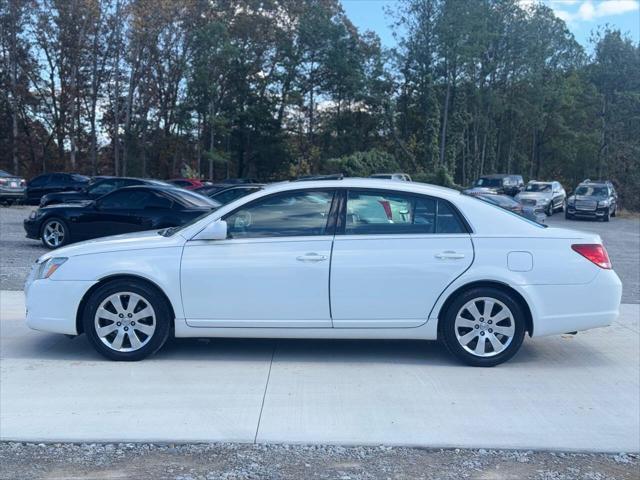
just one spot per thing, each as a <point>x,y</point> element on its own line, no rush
<point>595,253</point>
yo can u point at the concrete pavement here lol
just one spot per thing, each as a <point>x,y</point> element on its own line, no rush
<point>560,393</point>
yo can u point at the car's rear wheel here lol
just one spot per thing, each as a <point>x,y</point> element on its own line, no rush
<point>127,320</point>
<point>483,327</point>
<point>55,233</point>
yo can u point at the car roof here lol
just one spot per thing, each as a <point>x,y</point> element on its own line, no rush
<point>370,183</point>
<point>500,175</point>
<point>234,186</point>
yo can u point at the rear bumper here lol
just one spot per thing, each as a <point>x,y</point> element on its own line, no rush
<point>52,305</point>
<point>12,194</point>
<point>560,309</point>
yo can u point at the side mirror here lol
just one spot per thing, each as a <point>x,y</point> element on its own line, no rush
<point>214,231</point>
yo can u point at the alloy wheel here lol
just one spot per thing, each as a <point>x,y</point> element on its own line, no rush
<point>125,321</point>
<point>484,327</point>
<point>53,234</point>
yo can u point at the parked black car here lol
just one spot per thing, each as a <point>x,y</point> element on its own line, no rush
<point>593,200</point>
<point>500,183</point>
<point>96,189</point>
<point>12,187</point>
<point>54,182</point>
<point>231,193</point>
<point>129,209</point>
<point>508,203</point>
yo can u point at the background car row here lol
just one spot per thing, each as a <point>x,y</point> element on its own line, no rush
<point>74,207</point>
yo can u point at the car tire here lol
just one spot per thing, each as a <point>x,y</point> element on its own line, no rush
<point>615,211</point>
<point>549,210</point>
<point>122,331</point>
<point>463,328</point>
<point>54,233</point>
<point>567,215</point>
<point>606,216</point>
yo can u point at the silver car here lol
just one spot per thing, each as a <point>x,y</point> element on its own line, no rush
<point>550,196</point>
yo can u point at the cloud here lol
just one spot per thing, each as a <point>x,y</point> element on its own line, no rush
<point>588,10</point>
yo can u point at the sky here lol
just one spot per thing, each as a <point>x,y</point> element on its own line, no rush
<point>582,16</point>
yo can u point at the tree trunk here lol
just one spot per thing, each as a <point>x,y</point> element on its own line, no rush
<point>212,132</point>
<point>445,118</point>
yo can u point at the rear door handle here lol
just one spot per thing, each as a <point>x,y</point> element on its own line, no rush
<point>449,255</point>
<point>311,257</point>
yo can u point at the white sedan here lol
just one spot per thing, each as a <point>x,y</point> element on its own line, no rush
<point>351,258</point>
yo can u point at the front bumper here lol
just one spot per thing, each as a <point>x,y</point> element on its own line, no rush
<point>597,213</point>
<point>52,305</point>
<point>32,228</point>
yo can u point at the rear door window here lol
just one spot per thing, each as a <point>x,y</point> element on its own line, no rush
<point>377,212</point>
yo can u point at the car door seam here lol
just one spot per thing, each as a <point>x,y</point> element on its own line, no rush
<point>473,257</point>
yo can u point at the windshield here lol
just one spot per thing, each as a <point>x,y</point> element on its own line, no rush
<point>591,190</point>
<point>538,187</point>
<point>488,182</point>
<point>194,199</point>
<point>167,232</point>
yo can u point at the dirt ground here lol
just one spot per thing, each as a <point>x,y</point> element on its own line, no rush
<point>237,461</point>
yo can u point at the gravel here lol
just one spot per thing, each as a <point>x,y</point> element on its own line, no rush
<point>621,236</point>
<point>17,253</point>
<point>256,461</point>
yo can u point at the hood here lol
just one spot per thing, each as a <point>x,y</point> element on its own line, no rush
<point>593,198</point>
<point>74,193</point>
<point>115,243</point>
<point>75,204</point>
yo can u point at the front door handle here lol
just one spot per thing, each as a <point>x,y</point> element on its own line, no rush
<point>449,255</point>
<point>311,257</point>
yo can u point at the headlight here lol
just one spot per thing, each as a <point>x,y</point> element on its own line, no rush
<point>571,200</point>
<point>32,215</point>
<point>603,203</point>
<point>46,268</point>
<point>542,201</point>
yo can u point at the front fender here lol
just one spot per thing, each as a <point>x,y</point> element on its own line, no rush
<point>160,266</point>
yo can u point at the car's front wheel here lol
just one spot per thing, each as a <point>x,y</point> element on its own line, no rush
<point>127,320</point>
<point>483,327</point>
<point>55,233</point>
<point>549,210</point>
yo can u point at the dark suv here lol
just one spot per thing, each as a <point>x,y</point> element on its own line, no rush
<point>499,183</point>
<point>593,200</point>
<point>53,182</point>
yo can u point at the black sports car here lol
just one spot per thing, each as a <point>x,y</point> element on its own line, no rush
<point>97,189</point>
<point>129,209</point>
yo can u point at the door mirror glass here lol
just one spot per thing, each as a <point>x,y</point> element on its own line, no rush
<point>214,231</point>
